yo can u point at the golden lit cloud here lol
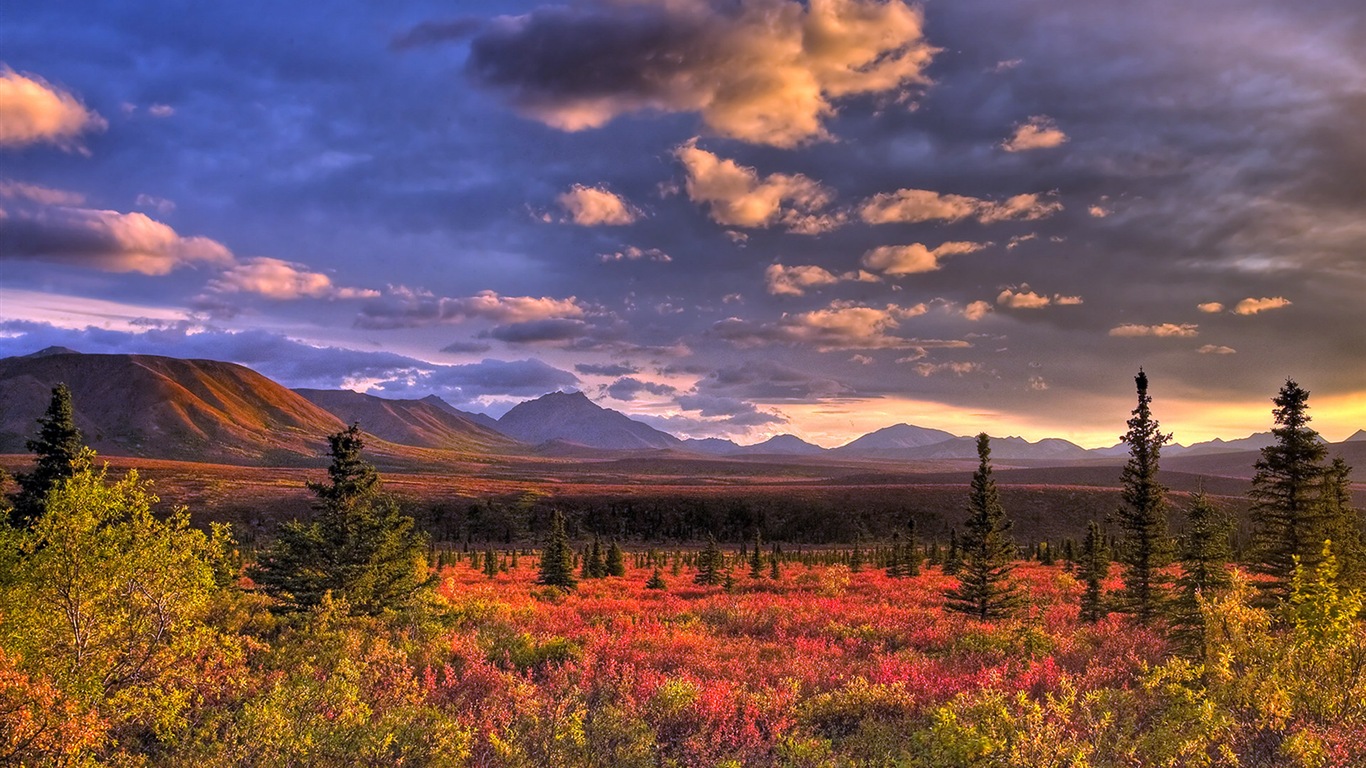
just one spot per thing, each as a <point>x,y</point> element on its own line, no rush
<point>277,279</point>
<point>1024,298</point>
<point>735,195</point>
<point>34,193</point>
<point>911,206</point>
<point>1216,349</point>
<point>1250,306</point>
<point>839,326</point>
<point>1039,132</point>
<point>105,240</point>
<point>1211,307</point>
<point>914,258</point>
<point>1165,330</point>
<point>763,71</point>
<point>33,111</point>
<point>595,207</point>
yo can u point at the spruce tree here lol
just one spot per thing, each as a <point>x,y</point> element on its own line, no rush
<point>490,563</point>
<point>756,560</point>
<point>856,558</point>
<point>1205,553</point>
<point>595,566</point>
<point>710,561</point>
<point>953,556</point>
<point>894,558</point>
<point>616,561</point>
<point>1286,492</point>
<point>910,554</point>
<point>656,580</point>
<point>984,589</point>
<point>557,559</point>
<point>1343,523</point>
<point>1143,515</point>
<point>774,571</point>
<point>58,455</point>
<point>1092,569</point>
<point>361,548</point>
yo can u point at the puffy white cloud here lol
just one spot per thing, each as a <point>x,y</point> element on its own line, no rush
<point>105,240</point>
<point>763,71</point>
<point>1251,306</point>
<point>1210,307</point>
<point>283,280</point>
<point>33,111</point>
<point>1164,330</point>
<point>1216,349</point>
<point>916,257</point>
<point>736,196</point>
<point>1024,298</point>
<point>595,207</point>
<point>911,206</point>
<point>401,307</point>
<point>1038,132</point>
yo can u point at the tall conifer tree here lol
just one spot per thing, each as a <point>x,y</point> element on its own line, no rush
<point>557,559</point>
<point>1092,569</point>
<point>1286,492</point>
<point>984,588</point>
<point>1145,547</point>
<point>1205,553</point>
<point>58,455</point>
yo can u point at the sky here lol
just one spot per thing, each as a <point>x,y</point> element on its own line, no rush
<point>733,218</point>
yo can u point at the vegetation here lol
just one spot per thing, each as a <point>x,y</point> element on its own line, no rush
<point>58,452</point>
<point>360,551</point>
<point>1145,546</point>
<point>984,588</point>
<point>128,638</point>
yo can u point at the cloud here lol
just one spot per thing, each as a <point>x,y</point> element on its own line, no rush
<point>105,240</point>
<point>402,307</point>
<point>282,280</point>
<point>596,207</point>
<point>158,204</point>
<point>977,310</point>
<point>1024,298</point>
<point>34,193</point>
<point>911,206</point>
<point>1251,306</point>
<point>611,369</point>
<point>1211,307</point>
<point>466,347</point>
<point>794,281</point>
<point>1216,349</point>
<point>955,369</point>
<point>840,326</point>
<point>627,388</point>
<point>916,257</point>
<point>763,71</point>
<point>1165,330</point>
<point>1038,132</point>
<point>632,253</point>
<point>728,389</point>
<point>736,196</point>
<point>538,331</point>
<point>296,364</point>
<point>34,111</point>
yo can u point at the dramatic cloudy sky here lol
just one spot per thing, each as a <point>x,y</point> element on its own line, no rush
<point>730,217</point>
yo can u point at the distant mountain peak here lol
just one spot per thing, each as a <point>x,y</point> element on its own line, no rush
<point>53,350</point>
<point>572,417</point>
<point>1357,437</point>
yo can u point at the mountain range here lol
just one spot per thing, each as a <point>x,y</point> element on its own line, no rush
<point>160,407</point>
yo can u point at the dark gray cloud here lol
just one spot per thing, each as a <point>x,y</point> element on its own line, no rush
<point>626,388</point>
<point>535,331</point>
<point>609,369</point>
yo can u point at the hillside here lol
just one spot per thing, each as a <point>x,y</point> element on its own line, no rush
<point>410,422</point>
<point>145,405</point>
